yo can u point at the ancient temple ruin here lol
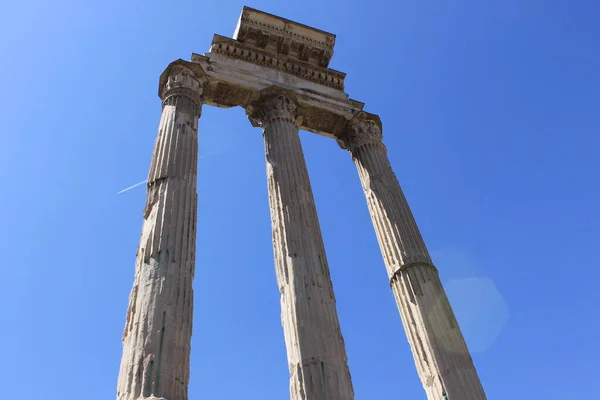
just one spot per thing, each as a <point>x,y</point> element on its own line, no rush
<point>277,70</point>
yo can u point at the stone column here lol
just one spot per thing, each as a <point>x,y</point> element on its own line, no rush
<point>156,339</point>
<point>439,349</point>
<point>315,348</point>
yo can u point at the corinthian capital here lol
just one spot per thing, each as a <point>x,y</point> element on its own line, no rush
<point>360,131</point>
<point>181,77</point>
<point>273,106</point>
<point>183,88</point>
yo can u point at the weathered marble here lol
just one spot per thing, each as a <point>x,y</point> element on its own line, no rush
<point>439,350</point>
<point>315,348</point>
<point>278,70</point>
<point>156,339</point>
<point>284,39</point>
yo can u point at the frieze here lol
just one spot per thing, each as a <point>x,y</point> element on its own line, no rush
<point>225,95</point>
<point>343,108</point>
<point>319,120</point>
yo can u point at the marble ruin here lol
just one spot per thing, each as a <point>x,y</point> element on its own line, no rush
<point>277,70</point>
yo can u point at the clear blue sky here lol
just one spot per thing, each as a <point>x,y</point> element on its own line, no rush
<point>491,114</point>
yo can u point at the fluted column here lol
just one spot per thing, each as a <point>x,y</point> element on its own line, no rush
<point>315,347</point>
<point>156,339</point>
<point>439,349</point>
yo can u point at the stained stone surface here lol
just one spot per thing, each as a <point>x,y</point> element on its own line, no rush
<point>439,349</point>
<point>283,38</point>
<point>315,348</point>
<point>156,339</point>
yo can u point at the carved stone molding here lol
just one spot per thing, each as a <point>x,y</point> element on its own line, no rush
<point>360,131</point>
<point>226,95</point>
<point>183,88</point>
<point>236,50</point>
<point>283,37</point>
<point>273,106</point>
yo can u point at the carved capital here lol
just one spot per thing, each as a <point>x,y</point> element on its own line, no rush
<point>358,132</point>
<point>183,88</point>
<point>273,106</point>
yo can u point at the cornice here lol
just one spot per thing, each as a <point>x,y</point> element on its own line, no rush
<point>246,20</point>
<point>284,37</point>
<point>234,49</point>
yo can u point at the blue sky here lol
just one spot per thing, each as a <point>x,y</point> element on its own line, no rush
<point>491,116</point>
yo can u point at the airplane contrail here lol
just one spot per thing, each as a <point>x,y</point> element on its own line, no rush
<point>146,180</point>
<point>133,186</point>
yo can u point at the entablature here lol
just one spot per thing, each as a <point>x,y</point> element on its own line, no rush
<point>238,71</point>
<point>227,86</point>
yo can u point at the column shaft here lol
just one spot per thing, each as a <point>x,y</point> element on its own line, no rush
<point>315,346</point>
<point>156,339</point>
<point>439,350</point>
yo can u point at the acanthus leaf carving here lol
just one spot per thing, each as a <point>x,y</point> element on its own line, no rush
<point>183,88</point>
<point>273,106</point>
<point>359,132</point>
